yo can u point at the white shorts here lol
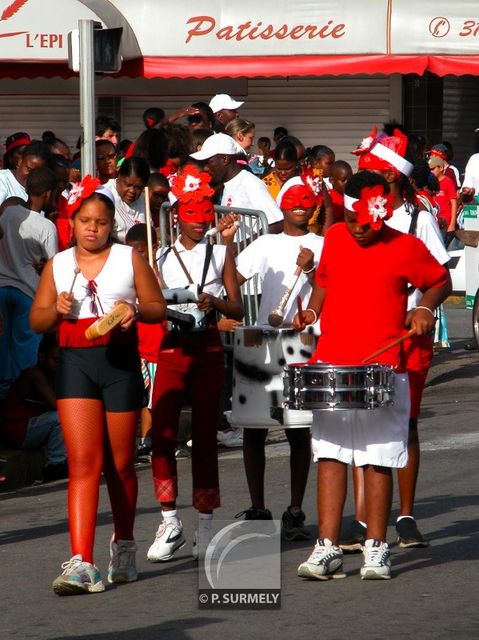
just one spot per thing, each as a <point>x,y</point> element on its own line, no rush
<point>365,436</point>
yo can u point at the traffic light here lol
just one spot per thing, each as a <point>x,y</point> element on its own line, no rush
<point>106,47</point>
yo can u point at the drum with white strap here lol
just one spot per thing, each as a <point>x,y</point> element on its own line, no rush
<point>259,357</point>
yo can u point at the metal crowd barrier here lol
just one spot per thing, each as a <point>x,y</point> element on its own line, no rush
<point>253,223</point>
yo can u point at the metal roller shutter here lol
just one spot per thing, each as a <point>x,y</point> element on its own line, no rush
<point>36,114</point>
<point>337,111</point>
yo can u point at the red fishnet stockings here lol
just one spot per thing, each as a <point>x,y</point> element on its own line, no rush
<point>97,441</point>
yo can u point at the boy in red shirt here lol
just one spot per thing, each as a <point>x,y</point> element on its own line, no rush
<point>374,280</point>
<point>340,173</point>
<point>446,197</point>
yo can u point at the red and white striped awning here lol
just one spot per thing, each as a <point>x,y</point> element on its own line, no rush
<point>248,38</point>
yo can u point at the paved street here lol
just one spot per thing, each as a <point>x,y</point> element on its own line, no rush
<point>433,593</point>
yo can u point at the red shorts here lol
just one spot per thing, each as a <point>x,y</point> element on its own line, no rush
<point>417,357</point>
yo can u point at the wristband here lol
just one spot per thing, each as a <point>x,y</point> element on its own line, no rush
<point>315,315</point>
<point>426,309</point>
<point>309,271</point>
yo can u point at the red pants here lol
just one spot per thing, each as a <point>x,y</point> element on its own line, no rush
<point>418,357</point>
<point>189,364</point>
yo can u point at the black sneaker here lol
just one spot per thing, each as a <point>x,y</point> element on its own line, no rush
<point>293,526</point>
<point>143,452</point>
<point>353,539</point>
<point>182,451</point>
<point>409,535</point>
<point>255,514</point>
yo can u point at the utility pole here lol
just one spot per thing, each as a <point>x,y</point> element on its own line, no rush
<point>87,97</point>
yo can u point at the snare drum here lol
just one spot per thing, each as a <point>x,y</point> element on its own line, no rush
<point>259,358</point>
<point>325,387</point>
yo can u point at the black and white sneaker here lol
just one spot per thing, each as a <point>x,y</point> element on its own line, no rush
<point>408,535</point>
<point>324,563</point>
<point>377,563</point>
<point>169,538</point>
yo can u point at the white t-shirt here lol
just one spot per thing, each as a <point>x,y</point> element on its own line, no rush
<point>125,215</point>
<point>28,238</point>
<point>427,230</point>
<point>9,186</point>
<point>174,277</point>
<point>471,174</point>
<point>273,257</point>
<point>246,191</point>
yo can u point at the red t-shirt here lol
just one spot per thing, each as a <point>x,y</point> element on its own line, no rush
<point>366,293</point>
<point>337,200</point>
<point>443,198</point>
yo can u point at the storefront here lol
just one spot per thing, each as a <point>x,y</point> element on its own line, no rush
<point>327,70</point>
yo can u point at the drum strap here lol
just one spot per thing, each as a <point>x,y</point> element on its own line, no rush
<point>208,254</point>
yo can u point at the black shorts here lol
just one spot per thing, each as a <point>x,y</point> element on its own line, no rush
<point>109,373</point>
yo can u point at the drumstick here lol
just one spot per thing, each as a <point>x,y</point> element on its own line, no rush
<point>149,240</point>
<point>300,308</point>
<point>77,271</point>
<point>407,335</point>
<point>275,318</point>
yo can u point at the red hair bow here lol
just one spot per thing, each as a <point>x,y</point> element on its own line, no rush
<point>79,192</point>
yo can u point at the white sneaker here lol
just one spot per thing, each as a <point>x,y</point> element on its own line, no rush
<point>169,538</point>
<point>324,563</point>
<point>78,577</point>
<point>377,563</point>
<point>203,536</point>
<point>230,438</point>
<point>122,566</point>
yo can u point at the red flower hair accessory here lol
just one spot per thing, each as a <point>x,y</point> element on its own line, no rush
<point>191,185</point>
<point>373,207</point>
<point>366,143</point>
<point>79,192</point>
<point>313,178</point>
<point>169,170</point>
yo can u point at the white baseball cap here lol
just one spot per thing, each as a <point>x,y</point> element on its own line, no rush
<point>224,101</point>
<point>219,143</point>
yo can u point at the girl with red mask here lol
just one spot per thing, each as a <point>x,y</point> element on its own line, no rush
<point>191,361</point>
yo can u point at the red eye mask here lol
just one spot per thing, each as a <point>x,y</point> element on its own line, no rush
<point>202,211</point>
<point>298,196</point>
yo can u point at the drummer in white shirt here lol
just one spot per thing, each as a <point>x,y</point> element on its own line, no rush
<point>274,258</point>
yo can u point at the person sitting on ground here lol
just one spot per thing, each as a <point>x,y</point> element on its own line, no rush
<point>30,418</point>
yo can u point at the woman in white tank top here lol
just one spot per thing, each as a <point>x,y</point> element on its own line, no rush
<point>100,389</point>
